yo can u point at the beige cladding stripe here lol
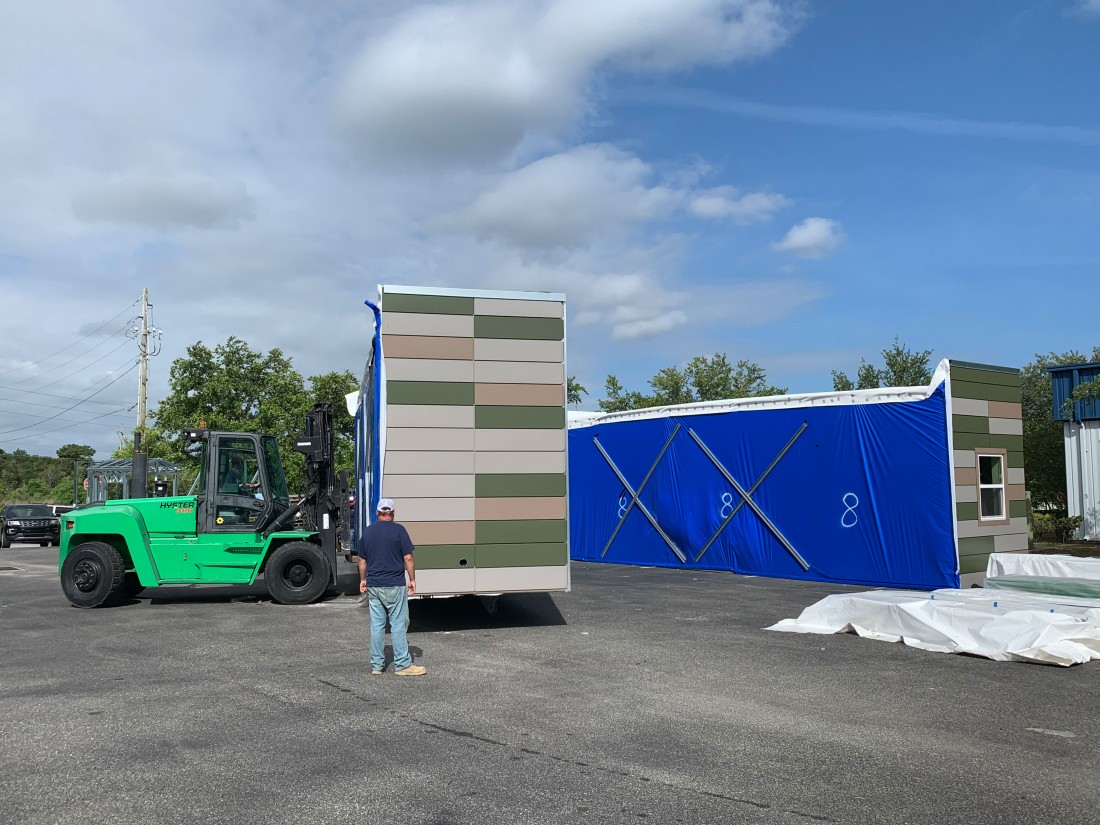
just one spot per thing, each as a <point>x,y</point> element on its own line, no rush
<point>513,349</point>
<point>426,369</point>
<point>519,308</point>
<point>435,509</point>
<point>427,346</point>
<point>447,416</point>
<point>508,509</point>
<point>519,462</point>
<point>518,372</point>
<point>417,323</point>
<point>440,532</point>
<point>439,462</point>
<point>444,581</point>
<point>1010,543</point>
<point>972,528</point>
<point>970,406</point>
<point>1006,426</point>
<point>1015,475</point>
<point>519,440</point>
<point>965,494</point>
<point>429,438</point>
<point>505,579</point>
<point>520,395</point>
<point>1005,409</point>
<point>965,458</point>
<point>428,485</point>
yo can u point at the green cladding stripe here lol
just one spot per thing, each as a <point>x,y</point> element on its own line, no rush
<point>533,531</point>
<point>1017,509</point>
<point>970,424</point>
<point>458,393</point>
<point>969,441</point>
<point>967,510</point>
<point>1004,379</point>
<point>978,545</point>
<point>545,554</point>
<point>531,329</point>
<point>984,392</point>
<point>1015,458</point>
<point>519,485</point>
<point>973,564</point>
<point>444,556</point>
<point>519,418</point>
<point>428,304</point>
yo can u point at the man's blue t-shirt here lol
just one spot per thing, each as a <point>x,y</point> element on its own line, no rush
<point>387,543</point>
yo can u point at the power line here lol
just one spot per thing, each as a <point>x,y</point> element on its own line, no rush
<point>47,395</point>
<point>67,426</point>
<point>73,407</point>
<point>59,366</point>
<point>73,344</point>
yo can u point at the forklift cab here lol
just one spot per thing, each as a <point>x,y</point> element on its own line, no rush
<point>241,487</point>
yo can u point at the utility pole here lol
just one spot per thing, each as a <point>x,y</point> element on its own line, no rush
<point>140,466</point>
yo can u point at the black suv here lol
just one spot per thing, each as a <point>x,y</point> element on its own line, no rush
<point>29,522</point>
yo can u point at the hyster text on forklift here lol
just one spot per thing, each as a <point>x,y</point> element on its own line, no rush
<point>236,523</point>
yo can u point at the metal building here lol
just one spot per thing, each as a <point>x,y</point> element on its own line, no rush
<point>1081,429</point>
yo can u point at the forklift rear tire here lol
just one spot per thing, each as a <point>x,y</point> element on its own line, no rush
<point>92,574</point>
<point>297,573</point>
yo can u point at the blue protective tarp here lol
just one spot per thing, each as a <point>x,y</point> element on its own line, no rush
<point>862,495</point>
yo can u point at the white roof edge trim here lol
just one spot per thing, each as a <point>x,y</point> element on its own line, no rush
<point>470,293</point>
<point>883,395</point>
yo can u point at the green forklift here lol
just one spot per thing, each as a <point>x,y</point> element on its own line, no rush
<point>235,524</point>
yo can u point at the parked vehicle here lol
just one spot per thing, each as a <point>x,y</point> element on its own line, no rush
<point>29,522</point>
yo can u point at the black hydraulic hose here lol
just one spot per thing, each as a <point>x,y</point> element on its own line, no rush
<point>286,516</point>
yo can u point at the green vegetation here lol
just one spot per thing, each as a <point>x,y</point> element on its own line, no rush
<point>33,479</point>
<point>703,379</point>
<point>901,368</point>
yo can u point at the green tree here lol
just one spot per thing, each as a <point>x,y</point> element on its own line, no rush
<point>1044,448</point>
<point>702,379</point>
<point>232,387</point>
<point>574,392</point>
<point>75,452</point>
<point>901,368</point>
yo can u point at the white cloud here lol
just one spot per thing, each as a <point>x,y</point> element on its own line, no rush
<point>567,200</point>
<point>1086,8</point>
<point>725,202</point>
<point>813,238</point>
<point>468,83</point>
<point>167,201</point>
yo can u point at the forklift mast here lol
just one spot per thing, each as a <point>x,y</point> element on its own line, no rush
<point>325,505</point>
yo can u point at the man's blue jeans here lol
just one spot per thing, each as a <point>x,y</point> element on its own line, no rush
<point>392,602</point>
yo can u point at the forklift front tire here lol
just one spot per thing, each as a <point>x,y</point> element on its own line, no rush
<point>297,573</point>
<point>92,574</point>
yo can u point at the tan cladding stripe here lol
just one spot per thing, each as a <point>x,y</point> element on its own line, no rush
<point>966,475</point>
<point>437,462</point>
<point>429,438</point>
<point>508,462</point>
<point>427,485</point>
<point>520,395</point>
<point>427,346</point>
<point>1005,409</point>
<point>515,349</point>
<point>428,369</point>
<point>508,509</point>
<point>429,415</point>
<point>518,372</point>
<point>519,308</point>
<point>519,440</point>
<point>440,532</point>
<point>417,323</point>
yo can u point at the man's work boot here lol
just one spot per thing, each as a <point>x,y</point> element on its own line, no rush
<point>412,670</point>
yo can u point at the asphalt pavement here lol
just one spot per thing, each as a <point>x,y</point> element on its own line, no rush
<point>643,695</point>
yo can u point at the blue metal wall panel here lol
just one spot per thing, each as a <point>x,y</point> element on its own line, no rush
<point>1064,380</point>
<point>862,494</point>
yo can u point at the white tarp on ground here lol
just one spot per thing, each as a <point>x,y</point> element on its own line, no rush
<point>1038,564</point>
<point>1003,625</point>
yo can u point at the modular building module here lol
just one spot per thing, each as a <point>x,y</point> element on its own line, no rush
<point>900,487</point>
<point>461,420</point>
<point>1080,419</point>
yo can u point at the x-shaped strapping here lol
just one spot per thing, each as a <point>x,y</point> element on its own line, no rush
<point>634,500</point>
<point>746,496</point>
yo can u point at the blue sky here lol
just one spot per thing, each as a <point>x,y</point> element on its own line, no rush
<point>792,183</point>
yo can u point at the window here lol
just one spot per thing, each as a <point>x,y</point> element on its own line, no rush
<point>991,487</point>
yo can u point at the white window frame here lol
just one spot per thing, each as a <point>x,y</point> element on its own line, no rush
<point>1002,456</point>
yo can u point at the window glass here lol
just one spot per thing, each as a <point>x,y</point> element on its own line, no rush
<point>275,468</point>
<point>991,487</point>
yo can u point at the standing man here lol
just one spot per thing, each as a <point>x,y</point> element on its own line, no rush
<point>382,577</point>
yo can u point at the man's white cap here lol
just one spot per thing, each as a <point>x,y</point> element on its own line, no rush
<point>385,505</point>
